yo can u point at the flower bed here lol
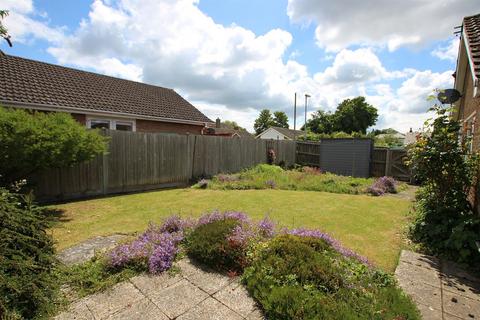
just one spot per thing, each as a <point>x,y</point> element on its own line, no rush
<point>292,273</point>
<point>265,176</point>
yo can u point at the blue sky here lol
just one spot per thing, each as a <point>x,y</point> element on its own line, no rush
<point>232,58</point>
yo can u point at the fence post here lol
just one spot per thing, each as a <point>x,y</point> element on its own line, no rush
<point>388,160</point>
<point>104,174</point>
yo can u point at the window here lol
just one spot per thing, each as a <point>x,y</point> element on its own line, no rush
<point>123,126</point>
<point>112,124</point>
<point>100,124</point>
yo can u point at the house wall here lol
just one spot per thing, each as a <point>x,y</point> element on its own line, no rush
<point>167,127</point>
<point>153,126</point>
<point>471,105</point>
<point>80,118</point>
<point>272,134</point>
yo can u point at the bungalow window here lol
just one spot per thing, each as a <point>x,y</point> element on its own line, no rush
<point>123,126</point>
<point>99,124</point>
<point>112,124</point>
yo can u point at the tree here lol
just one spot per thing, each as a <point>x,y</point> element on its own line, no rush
<point>30,142</point>
<point>354,115</point>
<point>263,122</point>
<point>3,29</point>
<point>280,119</point>
<point>321,122</point>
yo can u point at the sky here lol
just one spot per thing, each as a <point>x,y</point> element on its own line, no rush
<point>233,58</point>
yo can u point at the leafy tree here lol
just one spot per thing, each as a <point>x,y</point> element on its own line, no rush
<point>280,119</point>
<point>30,142</point>
<point>321,122</point>
<point>263,122</point>
<point>352,115</point>
<point>355,115</point>
<point>446,223</point>
<point>3,29</point>
<point>388,140</point>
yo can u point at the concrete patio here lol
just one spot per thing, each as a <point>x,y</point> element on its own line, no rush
<point>441,289</point>
<point>193,293</point>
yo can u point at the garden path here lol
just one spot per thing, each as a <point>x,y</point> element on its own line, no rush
<point>441,289</point>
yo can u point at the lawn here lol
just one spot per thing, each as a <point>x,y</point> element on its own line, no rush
<point>372,226</point>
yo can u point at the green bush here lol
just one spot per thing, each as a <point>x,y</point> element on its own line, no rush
<point>27,259</point>
<point>304,278</point>
<point>209,245</point>
<point>30,142</point>
<point>446,223</point>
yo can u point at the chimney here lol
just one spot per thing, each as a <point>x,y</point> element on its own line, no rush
<point>411,130</point>
<point>217,123</point>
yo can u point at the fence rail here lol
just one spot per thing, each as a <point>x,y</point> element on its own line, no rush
<point>142,161</point>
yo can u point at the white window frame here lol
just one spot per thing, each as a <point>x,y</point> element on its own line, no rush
<point>112,121</point>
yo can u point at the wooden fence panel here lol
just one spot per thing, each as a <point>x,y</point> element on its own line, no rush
<point>390,162</point>
<point>140,161</point>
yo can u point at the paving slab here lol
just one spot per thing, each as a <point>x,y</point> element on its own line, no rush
<point>119,297</point>
<point>77,311</point>
<point>178,298</point>
<point>236,297</point>
<point>210,309</point>
<point>143,309</point>
<point>210,281</point>
<point>441,289</point>
<point>149,284</point>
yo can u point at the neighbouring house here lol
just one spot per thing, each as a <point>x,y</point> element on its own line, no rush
<point>95,100</point>
<point>467,81</point>
<point>411,137</point>
<point>278,133</point>
<point>221,130</point>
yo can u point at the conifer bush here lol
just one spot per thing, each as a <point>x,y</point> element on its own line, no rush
<point>27,259</point>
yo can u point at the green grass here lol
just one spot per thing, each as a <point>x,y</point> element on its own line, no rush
<point>372,226</point>
<point>273,177</point>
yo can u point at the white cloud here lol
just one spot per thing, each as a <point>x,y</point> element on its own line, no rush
<point>448,52</point>
<point>340,24</point>
<point>22,22</point>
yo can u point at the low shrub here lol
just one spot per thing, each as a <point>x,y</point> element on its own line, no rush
<point>303,277</point>
<point>28,285</point>
<point>208,244</point>
<point>383,185</point>
<point>222,240</point>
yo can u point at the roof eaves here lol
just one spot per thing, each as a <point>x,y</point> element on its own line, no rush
<point>38,106</point>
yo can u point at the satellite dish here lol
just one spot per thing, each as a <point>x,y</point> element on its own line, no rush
<point>448,96</point>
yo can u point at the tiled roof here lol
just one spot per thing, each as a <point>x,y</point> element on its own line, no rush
<point>471,28</point>
<point>289,132</point>
<point>33,82</point>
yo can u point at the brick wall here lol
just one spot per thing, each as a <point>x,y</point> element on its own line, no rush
<point>80,118</point>
<point>470,105</point>
<point>157,126</point>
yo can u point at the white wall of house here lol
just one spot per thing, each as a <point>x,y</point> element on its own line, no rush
<point>271,133</point>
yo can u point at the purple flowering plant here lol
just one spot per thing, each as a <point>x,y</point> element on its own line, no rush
<point>383,185</point>
<point>155,249</point>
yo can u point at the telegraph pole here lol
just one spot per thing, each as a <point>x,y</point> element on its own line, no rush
<point>294,116</point>
<point>306,97</point>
